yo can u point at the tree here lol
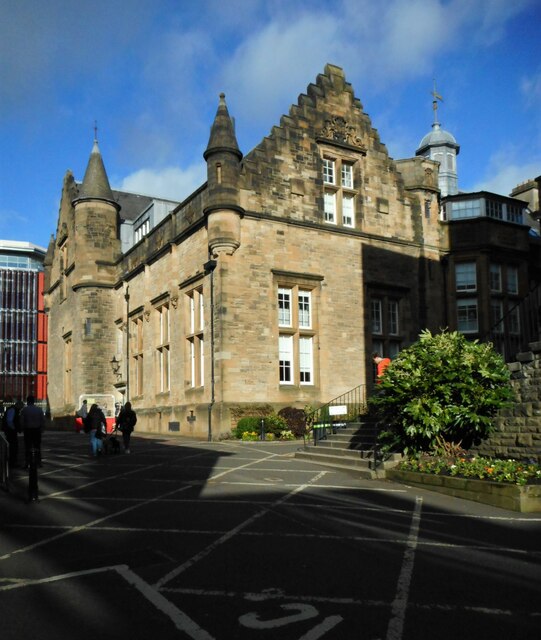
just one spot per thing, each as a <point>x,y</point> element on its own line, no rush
<point>442,387</point>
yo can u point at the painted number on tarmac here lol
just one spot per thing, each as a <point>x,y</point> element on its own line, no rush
<point>300,612</point>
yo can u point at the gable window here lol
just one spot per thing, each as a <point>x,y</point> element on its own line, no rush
<point>296,337</point>
<point>339,191</point>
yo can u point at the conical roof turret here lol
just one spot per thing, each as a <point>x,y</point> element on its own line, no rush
<point>95,183</point>
<point>222,134</point>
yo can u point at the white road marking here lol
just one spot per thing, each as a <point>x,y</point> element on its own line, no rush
<point>230,534</point>
<point>252,620</point>
<point>400,603</point>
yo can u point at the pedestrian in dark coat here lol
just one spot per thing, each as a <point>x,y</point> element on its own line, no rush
<point>11,428</point>
<point>32,420</point>
<point>125,423</point>
<point>96,426</point>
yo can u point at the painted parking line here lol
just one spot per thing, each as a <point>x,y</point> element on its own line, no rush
<point>230,534</point>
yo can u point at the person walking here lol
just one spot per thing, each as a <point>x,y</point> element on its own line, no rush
<point>11,429</point>
<point>96,426</point>
<point>32,420</point>
<point>125,423</point>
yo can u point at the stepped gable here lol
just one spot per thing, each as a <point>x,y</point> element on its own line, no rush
<point>284,164</point>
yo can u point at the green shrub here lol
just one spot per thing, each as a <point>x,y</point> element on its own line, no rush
<point>295,420</point>
<point>247,424</point>
<point>273,424</point>
<point>443,388</point>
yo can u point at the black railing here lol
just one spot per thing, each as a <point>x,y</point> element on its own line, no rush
<point>4,462</point>
<point>520,326</point>
<point>337,413</point>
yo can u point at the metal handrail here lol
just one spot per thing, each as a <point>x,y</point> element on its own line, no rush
<point>345,408</point>
<point>4,462</point>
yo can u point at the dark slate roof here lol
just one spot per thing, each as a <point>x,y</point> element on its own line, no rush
<point>95,183</point>
<point>222,134</point>
<point>132,205</point>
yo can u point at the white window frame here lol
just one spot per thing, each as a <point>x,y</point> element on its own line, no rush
<point>347,175</point>
<point>284,307</point>
<point>195,338</point>
<point>495,277</point>
<point>305,309</point>
<point>348,210</point>
<point>376,315</point>
<point>466,276</point>
<point>329,198</point>
<point>394,324</point>
<point>306,360</point>
<point>467,315</point>
<point>285,358</point>
<point>164,370</point>
<point>329,171</point>
<point>512,279</point>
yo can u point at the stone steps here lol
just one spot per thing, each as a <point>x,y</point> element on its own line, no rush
<point>348,448</point>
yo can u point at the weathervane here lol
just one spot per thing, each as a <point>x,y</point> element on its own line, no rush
<point>95,130</point>
<point>436,97</point>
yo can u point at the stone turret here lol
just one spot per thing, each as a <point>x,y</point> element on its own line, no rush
<point>96,250</point>
<point>97,243</point>
<point>223,210</point>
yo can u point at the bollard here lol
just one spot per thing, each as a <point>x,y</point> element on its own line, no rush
<point>262,434</point>
<point>33,476</point>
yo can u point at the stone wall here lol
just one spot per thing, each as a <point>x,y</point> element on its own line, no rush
<point>518,429</point>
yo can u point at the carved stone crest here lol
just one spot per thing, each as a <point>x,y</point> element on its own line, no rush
<point>338,130</point>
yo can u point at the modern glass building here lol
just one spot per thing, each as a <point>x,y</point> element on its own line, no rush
<point>23,323</point>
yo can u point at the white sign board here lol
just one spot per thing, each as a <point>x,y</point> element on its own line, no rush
<point>338,410</point>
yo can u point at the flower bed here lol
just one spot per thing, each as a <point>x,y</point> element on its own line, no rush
<point>508,484</point>
<point>511,471</point>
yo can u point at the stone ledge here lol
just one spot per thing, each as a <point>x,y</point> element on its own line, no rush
<point>525,499</point>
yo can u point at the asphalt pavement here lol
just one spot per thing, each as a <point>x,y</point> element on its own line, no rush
<point>234,541</point>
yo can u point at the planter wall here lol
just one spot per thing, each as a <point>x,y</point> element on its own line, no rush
<point>526,499</point>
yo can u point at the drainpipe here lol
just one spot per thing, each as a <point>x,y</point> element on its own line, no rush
<point>209,270</point>
<point>127,298</point>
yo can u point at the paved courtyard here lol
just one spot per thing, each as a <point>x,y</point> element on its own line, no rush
<point>227,541</point>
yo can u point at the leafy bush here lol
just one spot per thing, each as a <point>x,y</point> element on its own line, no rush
<point>295,419</point>
<point>273,424</point>
<point>442,387</point>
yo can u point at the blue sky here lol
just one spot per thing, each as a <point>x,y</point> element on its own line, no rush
<point>150,72</point>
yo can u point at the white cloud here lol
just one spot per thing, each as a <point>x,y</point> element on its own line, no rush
<point>531,89</point>
<point>171,183</point>
<point>505,171</point>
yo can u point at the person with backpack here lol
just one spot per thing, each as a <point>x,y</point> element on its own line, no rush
<point>96,425</point>
<point>11,429</point>
<point>125,423</point>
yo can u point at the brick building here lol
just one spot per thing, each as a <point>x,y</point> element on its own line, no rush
<point>23,323</point>
<point>271,285</point>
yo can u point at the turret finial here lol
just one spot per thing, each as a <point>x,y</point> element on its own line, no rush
<point>436,97</point>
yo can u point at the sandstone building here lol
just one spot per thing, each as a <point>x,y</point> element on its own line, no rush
<point>272,284</point>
